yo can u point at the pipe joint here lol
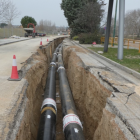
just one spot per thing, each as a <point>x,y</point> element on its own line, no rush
<point>71,118</point>
<point>49,101</point>
<point>55,53</point>
<point>60,68</point>
<point>48,108</point>
<point>53,63</point>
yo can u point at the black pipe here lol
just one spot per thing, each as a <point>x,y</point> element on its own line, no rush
<point>55,54</point>
<point>72,126</point>
<point>47,127</point>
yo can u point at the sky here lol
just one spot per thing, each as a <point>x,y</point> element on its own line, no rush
<point>41,9</point>
<point>50,10</point>
<point>129,5</point>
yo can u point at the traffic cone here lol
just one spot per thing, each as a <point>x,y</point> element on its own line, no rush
<point>14,74</point>
<point>41,42</point>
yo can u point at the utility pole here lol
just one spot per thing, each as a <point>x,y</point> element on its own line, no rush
<point>115,21</point>
<point>3,32</point>
<point>121,28</point>
<point>110,8</point>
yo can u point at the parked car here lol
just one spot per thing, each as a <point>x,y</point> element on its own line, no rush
<point>41,34</point>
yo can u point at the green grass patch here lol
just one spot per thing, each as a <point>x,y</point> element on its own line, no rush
<point>131,57</point>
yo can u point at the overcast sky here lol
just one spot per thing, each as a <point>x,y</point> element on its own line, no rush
<point>50,10</point>
<point>41,9</point>
<point>129,5</point>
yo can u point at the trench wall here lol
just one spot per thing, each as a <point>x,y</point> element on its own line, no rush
<point>35,72</point>
<point>91,92</point>
<point>87,92</point>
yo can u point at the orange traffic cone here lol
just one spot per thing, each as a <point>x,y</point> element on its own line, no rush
<point>41,42</point>
<point>14,74</point>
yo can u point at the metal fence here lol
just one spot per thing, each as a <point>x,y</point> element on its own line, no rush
<point>127,42</point>
<point>7,32</point>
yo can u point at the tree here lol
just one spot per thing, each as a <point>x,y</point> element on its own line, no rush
<point>11,13</point>
<point>90,16</point>
<point>41,25</point>
<point>132,22</point>
<point>83,16</point>
<point>46,26</point>
<point>2,25</point>
<point>26,20</point>
<point>71,9</point>
<point>4,5</point>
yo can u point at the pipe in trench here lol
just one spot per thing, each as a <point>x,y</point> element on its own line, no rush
<point>72,126</point>
<point>47,127</point>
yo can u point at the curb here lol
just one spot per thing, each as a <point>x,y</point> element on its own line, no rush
<point>13,42</point>
<point>126,69</point>
<point>16,41</point>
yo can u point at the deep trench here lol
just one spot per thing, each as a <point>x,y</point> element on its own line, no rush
<point>35,71</point>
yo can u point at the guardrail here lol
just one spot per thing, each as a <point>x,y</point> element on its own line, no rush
<point>127,42</point>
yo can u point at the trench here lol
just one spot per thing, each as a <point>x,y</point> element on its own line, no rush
<point>90,96</point>
<point>35,71</point>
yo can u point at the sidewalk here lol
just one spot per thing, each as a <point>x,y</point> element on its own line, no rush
<point>112,65</point>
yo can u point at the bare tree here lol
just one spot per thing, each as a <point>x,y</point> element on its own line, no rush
<point>11,13</point>
<point>61,28</point>
<point>41,25</point>
<point>4,5</point>
<point>132,22</point>
<point>46,26</point>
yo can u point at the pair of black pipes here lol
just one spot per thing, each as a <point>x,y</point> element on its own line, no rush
<point>72,126</point>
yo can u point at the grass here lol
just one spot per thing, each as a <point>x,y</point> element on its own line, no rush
<point>131,57</point>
